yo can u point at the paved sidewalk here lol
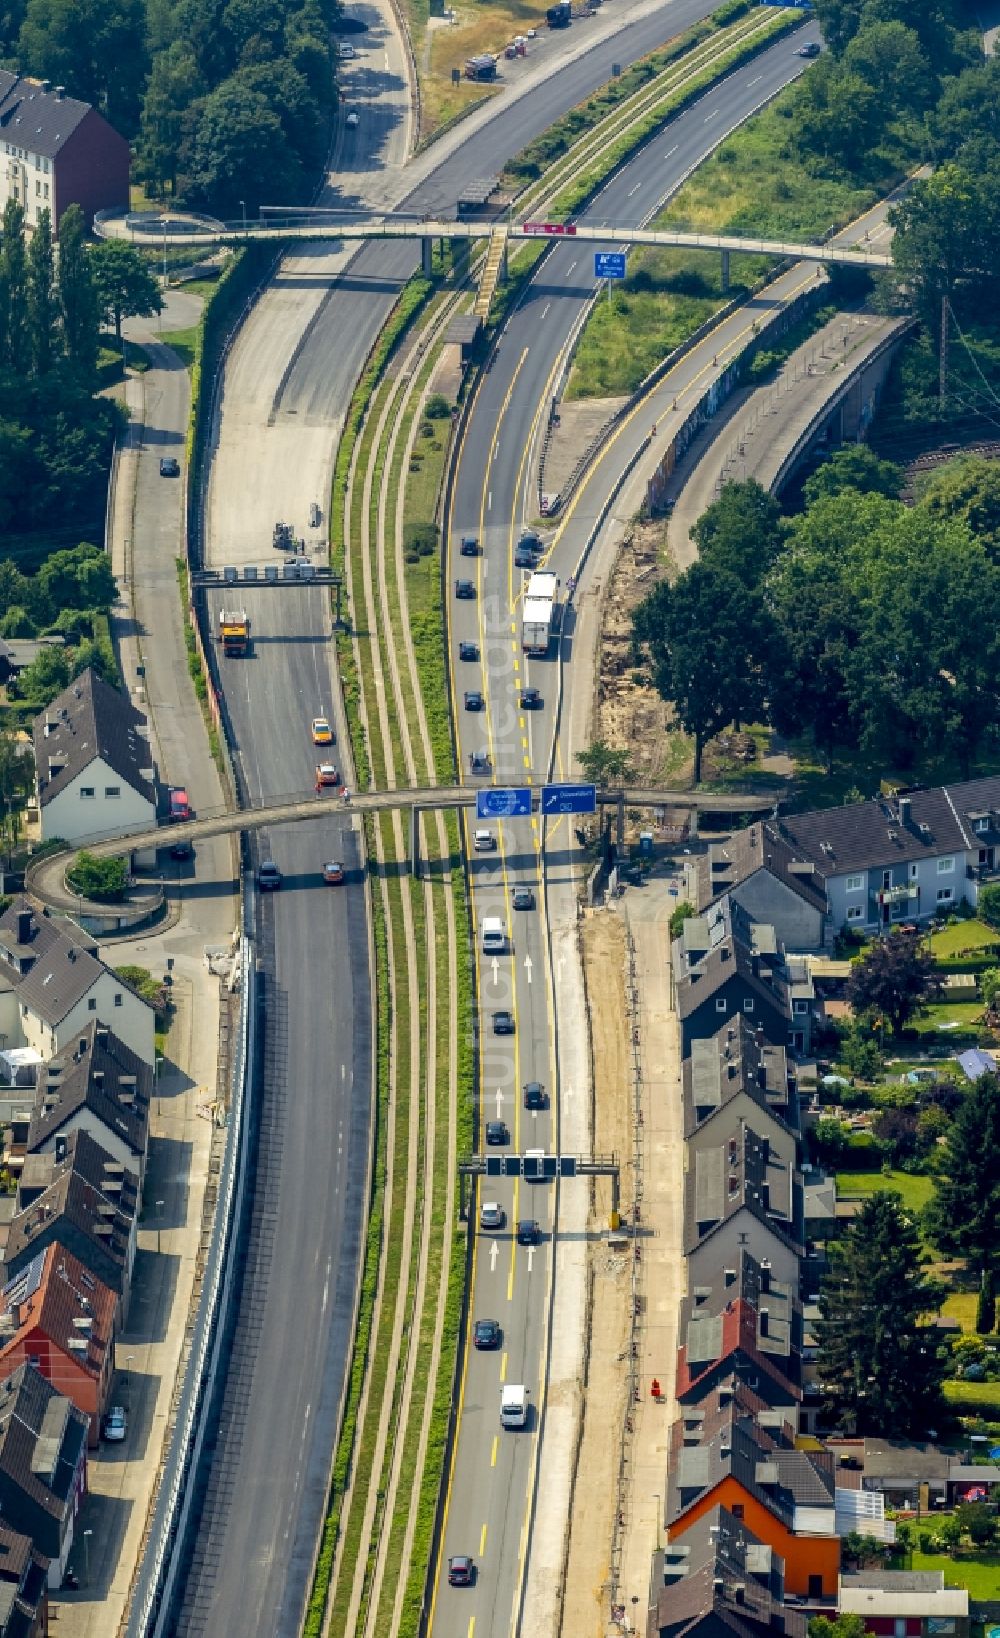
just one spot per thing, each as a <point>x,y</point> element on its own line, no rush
<point>147,627</point>
<point>647,912</point>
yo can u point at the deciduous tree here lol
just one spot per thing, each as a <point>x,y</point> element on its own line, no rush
<point>740,533</point>
<point>123,283</point>
<point>895,978</point>
<point>77,297</point>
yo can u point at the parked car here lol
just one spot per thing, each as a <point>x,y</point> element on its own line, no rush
<point>115,1425</point>
<point>487,1334</point>
<point>528,1232</point>
<point>333,872</point>
<point>503,1023</point>
<point>469,546</point>
<point>465,589</point>
<point>346,51</point>
<point>269,877</point>
<point>170,466</point>
<point>461,1571</point>
<point>534,1095</point>
<point>468,651</point>
<point>523,898</point>
<point>497,1131</point>
<point>491,1215</point>
<point>473,699</point>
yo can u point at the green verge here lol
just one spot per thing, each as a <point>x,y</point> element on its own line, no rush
<point>195,671</point>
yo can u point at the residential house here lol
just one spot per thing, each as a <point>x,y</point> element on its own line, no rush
<point>725,965</point>
<point>742,1190</point>
<point>761,870</point>
<point>53,983</point>
<point>57,152</point>
<point>43,1464</point>
<point>737,1062</point>
<point>744,1324</point>
<point>905,1603</point>
<point>907,1475</point>
<point>740,1454</point>
<point>93,764</point>
<point>24,1596</point>
<point>83,1200</point>
<point>58,1317</point>
<point>96,1085</point>
<point>721,1581</point>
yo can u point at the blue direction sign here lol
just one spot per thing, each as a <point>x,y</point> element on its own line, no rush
<point>569,799</point>
<point>609,264</point>
<point>503,802</point>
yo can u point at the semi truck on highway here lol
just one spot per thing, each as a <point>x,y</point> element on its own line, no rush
<point>542,612</point>
<point>234,631</point>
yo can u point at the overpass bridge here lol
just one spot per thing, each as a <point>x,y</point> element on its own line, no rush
<point>299,809</point>
<point>154,230</point>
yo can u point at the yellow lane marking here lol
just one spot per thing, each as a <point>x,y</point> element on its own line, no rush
<point>496,1447</point>
<point>503,1367</point>
<point>482,1541</point>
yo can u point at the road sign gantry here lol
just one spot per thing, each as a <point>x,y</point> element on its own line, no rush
<point>545,1168</point>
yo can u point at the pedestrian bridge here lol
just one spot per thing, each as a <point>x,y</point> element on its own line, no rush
<point>299,809</point>
<point>155,229</point>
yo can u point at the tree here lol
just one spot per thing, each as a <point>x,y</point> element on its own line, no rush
<point>13,277</point>
<point>706,638</point>
<point>678,916</point>
<point>854,467</point>
<point>174,83</point>
<point>945,239</point>
<point>986,1304</point>
<point>740,532</point>
<point>895,978</point>
<point>44,678</point>
<point>123,283</point>
<point>895,1132</point>
<point>967,109</point>
<point>989,987</point>
<point>968,489</point>
<point>95,654</point>
<point>79,577</point>
<point>977,1520</point>
<point>103,879</point>
<point>859,1050</point>
<point>237,153</point>
<point>43,308</point>
<point>95,47</point>
<point>605,764</point>
<point>841,1626</point>
<point>964,1216</point>
<point>890,56</point>
<point>829,1141</point>
<point>877,1358</point>
<point>77,297</point>
<point>17,780</point>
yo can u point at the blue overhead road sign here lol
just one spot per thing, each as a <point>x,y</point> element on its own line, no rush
<point>609,264</point>
<point>569,799</point>
<point>503,802</point>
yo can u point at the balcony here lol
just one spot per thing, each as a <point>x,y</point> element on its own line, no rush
<point>897,894</point>
<point>983,872</point>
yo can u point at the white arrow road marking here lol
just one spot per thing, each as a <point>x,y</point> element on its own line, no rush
<point>499,1101</point>
<point>494,1254</point>
<point>527,967</point>
<point>531,1254</point>
<point>496,970</point>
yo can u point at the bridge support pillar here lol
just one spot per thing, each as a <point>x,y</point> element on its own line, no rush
<point>621,822</point>
<point>427,258</point>
<point>725,271</point>
<point>415,843</point>
<point>460,258</point>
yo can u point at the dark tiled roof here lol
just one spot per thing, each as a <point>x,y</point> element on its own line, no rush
<point>720,1568</point>
<point>90,719</point>
<point>88,1204</point>
<point>100,1073</point>
<point>736,1059</point>
<point>754,1446</point>
<point>760,847</point>
<point>744,1170</point>
<point>35,119</point>
<point>888,1459</point>
<point>23,1582</point>
<point>41,1436</point>
<point>54,967</point>
<point>866,835</point>
<point>57,1296</point>
<point>736,1318</point>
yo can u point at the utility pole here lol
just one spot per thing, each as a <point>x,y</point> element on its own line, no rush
<point>943,355</point>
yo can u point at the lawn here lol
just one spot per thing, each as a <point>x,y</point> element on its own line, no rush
<point>961,1306</point>
<point>981,1574</point>
<point>183,342</point>
<point>962,938</point>
<point>916,1191</point>
<point>986,1394</point>
<point>960,1019</point>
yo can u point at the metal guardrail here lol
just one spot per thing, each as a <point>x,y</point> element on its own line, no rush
<point>152,1590</point>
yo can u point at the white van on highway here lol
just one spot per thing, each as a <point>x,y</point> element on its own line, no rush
<point>513,1405</point>
<point>494,936</point>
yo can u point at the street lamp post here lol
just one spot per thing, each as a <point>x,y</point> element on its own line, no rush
<point>656,1498</point>
<point>243,210</point>
<point>86,1557</point>
<point>159,1217</point>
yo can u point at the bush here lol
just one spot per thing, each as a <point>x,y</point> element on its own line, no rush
<point>105,880</point>
<point>421,538</point>
<point>142,981</point>
<point>437,407</point>
<point>679,917</point>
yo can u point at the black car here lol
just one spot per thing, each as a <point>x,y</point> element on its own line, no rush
<point>469,546</point>
<point>531,699</point>
<point>182,850</point>
<point>810,49</point>
<point>468,651</point>
<point>479,762</point>
<point>528,1232</point>
<point>268,876</point>
<point>525,557</point>
<point>473,699</point>
<point>170,467</point>
<point>497,1131</point>
<point>465,589</point>
<point>523,898</point>
<point>487,1334</point>
<point>503,1023</point>
<point>534,1095</point>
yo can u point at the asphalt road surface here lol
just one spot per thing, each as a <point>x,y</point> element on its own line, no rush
<point>489,1497</point>
<point>267,1490</point>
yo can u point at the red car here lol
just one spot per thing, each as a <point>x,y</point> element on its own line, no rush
<point>180,807</point>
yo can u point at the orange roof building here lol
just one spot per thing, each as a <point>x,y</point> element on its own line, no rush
<point>58,1317</point>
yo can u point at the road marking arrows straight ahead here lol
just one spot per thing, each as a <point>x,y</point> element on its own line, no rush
<point>531,1254</point>
<point>527,967</point>
<point>496,970</point>
<point>494,1254</point>
<point>499,1102</point>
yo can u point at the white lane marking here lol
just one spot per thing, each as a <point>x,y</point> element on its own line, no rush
<point>571,267</point>
<point>671,151</point>
<point>531,1257</point>
<point>499,1102</point>
<point>527,967</point>
<point>756,81</point>
<point>713,115</point>
<point>631,191</point>
<point>545,309</point>
<point>494,1254</point>
<point>489,501</point>
<point>496,970</point>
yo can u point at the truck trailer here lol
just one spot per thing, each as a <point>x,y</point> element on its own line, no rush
<point>234,631</point>
<point>541,614</point>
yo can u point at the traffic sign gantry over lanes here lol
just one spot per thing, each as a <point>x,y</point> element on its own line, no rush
<point>609,264</point>
<point>569,799</point>
<point>504,802</point>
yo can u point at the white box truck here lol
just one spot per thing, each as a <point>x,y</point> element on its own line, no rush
<point>513,1405</point>
<point>494,936</point>
<point>541,612</point>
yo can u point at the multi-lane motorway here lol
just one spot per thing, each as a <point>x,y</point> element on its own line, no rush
<point>489,1496</point>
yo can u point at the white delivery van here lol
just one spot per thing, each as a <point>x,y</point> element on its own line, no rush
<point>494,936</point>
<point>513,1405</point>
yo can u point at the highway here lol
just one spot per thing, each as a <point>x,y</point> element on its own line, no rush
<point>296,1303</point>
<point>285,391</point>
<point>489,1497</point>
